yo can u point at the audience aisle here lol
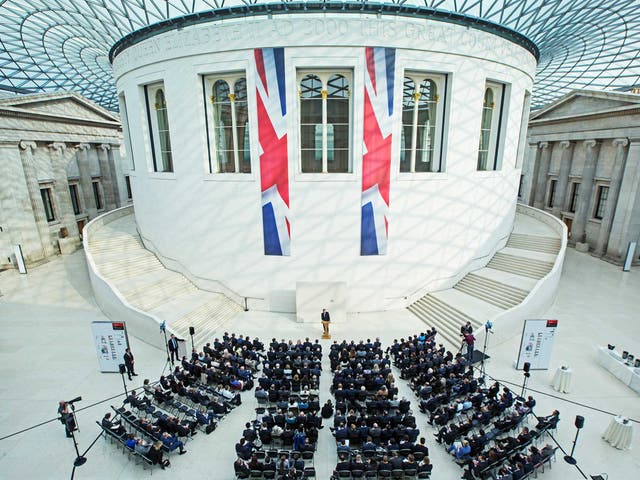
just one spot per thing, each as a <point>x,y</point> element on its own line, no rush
<point>45,318</point>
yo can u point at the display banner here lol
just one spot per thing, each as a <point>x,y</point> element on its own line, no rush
<point>376,159</point>
<point>111,342</point>
<point>274,160</point>
<point>536,343</point>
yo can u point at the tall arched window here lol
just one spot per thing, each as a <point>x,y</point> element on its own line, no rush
<point>490,126</point>
<point>158,123</point>
<point>229,124</point>
<point>422,123</point>
<point>325,122</point>
<point>163,132</point>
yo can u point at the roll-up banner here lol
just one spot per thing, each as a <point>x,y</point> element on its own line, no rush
<point>536,344</point>
<point>111,342</point>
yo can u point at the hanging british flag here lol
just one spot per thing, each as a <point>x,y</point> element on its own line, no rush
<point>376,159</point>
<point>272,136</point>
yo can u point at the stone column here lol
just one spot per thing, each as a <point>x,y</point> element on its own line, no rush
<point>532,166</point>
<point>612,199</point>
<point>625,218</point>
<point>542,174</point>
<point>115,169</point>
<point>563,177</point>
<point>86,188</point>
<point>105,176</point>
<point>62,200</point>
<point>37,206</point>
<point>578,227</point>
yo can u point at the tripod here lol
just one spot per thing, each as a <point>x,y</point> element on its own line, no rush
<point>163,329</point>
<point>487,330</point>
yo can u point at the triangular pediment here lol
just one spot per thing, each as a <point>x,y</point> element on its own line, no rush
<point>580,102</point>
<point>63,105</point>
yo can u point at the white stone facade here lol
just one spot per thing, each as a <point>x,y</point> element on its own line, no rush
<point>583,165</point>
<point>209,226</point>
<point>53,147</point>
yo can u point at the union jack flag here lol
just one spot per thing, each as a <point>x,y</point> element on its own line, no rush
<point>376,161</point>
<point>274,161</point>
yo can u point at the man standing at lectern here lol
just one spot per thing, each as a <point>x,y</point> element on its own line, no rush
<point>324,316</point>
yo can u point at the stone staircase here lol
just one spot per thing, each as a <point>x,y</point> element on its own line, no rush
<point>535,243</point>
<point>504,283</point>
<point>147,285</point>
<point>519,265</point>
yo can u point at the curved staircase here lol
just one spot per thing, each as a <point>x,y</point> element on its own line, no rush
<point>147,285</point>
<point>505,282</point>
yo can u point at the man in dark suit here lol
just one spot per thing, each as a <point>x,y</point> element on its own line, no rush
<point>173,348</point>
<point>324,316</point>
<point>128,362</point>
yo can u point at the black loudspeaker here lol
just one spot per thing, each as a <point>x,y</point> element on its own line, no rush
<point>123,369</point>
<point>192,331</point>
<point>579,421</point>
<point>526,367</point>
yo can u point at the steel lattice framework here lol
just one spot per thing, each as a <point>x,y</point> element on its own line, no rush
<point>50,45</point>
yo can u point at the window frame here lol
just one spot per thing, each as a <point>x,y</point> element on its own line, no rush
<point>497,121</point>
<point>574,195</point>
<point>96,187</point>
<point>150,92</point>
<point>127,184</point>
<point>76,206</point>
<point>551,192</point>
<point>325,74</point>
<point>50,212</point>
<point>441,81</point>
<point>208,82</point>
<point>600,204</point>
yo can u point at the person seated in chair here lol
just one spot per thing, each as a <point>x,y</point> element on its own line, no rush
<point>155,454</point>
<point>460,452</point>
<point>115,427</point>
<point>241,468</point>
<point>424,466</point>
<point>548,422</point>
<point>255,464</point>
<point>172,443</point>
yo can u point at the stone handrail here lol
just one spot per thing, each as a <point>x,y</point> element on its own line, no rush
<point>142,325</point>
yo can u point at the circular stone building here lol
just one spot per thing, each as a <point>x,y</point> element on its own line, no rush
<point>365,156</point>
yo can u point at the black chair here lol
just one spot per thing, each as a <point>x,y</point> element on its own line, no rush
<point>404,452</point>
<point>307,456</point>
<point>600,477</point>
<point>344,474</point>
<point>384,474</point>
<point>410,474</point>
<point>310,473</point>
<point>397,474</point>
<point>269,474</point>
<point>256,474</point>
<point>357,473</point>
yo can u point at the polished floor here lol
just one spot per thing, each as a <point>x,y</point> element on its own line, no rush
<point>46,355</point>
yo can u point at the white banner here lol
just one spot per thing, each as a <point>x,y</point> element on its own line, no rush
<point>536,344</point>
<point>111,342</point>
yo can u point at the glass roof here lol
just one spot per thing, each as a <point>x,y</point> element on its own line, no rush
<point>51,45</point>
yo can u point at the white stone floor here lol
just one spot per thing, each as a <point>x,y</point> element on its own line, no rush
<point>46,354</point>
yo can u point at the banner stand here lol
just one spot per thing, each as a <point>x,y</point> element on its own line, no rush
<point>536,344</point>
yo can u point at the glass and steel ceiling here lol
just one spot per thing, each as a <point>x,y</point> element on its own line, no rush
<point>52,45</point>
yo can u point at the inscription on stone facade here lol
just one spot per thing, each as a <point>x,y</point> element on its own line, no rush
<point>366,30</point>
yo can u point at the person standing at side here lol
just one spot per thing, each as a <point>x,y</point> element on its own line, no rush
<point>469,341</point>
<point>128,362</point>
<point>66,418</point>
<point>324,316</point>
<point>173,348</point>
